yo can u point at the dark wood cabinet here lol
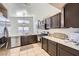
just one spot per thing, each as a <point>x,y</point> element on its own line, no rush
<point>67,51</point>
<point>25,40</point>
<point>64,53</point>
<point>56,21</point>
<point>32,39</point>
<point>21,40</point>
<point>56,49</point>
<point>48,23</point>
<point>44,44</point>
<point>49,47</point>
<point>71,15</point>
<point>52,48</point>
<point>51,22</point>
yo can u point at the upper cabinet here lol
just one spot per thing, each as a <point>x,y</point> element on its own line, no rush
<point>51,22</point>
<point>56,21</point>
<point>48,23</point>
<point>71,15</point>
<point>3,10</point>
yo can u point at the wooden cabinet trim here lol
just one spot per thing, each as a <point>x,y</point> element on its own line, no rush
<point>54,48</point>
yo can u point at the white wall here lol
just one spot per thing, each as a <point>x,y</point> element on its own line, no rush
<point>37,10</point>
<point>42,10</point>
<point>13,9</point>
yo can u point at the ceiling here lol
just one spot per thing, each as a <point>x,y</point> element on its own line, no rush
<point>58,5</point>
<point>41,10</point>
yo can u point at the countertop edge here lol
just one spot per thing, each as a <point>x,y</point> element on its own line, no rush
<point>63,42</point>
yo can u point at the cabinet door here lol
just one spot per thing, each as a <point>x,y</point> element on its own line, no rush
<point>64,53</point>
<point>56,21</point>
<point>32,39</point>
<point>52,48</point>
<point>24,40</point>
<point>48,23</point>
<point>44,44</point>
<point>71,15</point>
<point>67,51</point>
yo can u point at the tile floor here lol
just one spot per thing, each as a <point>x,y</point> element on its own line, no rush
<point>28,50</point>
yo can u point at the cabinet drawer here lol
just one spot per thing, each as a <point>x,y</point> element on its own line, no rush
<point>25,40</point>
<point>51,52</point>
<point>32,39</point>
<point>45,44</point>
<point>52,42</point>
<point>68,49</point>
<point>64,53</point>
<point>52,48</point>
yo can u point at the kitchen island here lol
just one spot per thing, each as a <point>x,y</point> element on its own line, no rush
<point>59,47</point>
<point>16,41</point>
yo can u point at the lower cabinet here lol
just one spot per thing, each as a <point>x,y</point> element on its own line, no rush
<point>17,41</point>
<point>56,49</point>
<point>52,49</point>
<point>64,53</point>
<point>49,47</point>
<point>25,40</point>
<point>67,51</point>
<point>44,44</point>
<point>32,39</point>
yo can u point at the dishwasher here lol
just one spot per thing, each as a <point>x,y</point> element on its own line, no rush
<point>15,41</point>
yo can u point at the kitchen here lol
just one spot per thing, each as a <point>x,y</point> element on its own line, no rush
<point>52,28</point>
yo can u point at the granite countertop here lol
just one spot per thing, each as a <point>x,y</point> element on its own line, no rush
<point>63,42</point>
<point>23,35</point>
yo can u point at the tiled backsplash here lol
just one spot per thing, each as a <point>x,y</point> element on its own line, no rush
<point>66,31</point>
<point>61,30</point>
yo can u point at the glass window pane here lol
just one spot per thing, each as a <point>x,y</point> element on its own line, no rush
<point>23,29</point>
<point>20,21</point>
<point>20,28</point>
<point>26,21</point>
<point>7,20</point>
<point>26,28</point>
